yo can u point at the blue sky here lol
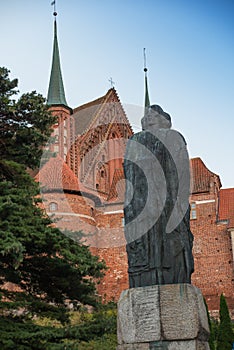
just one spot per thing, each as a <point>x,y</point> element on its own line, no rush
<point>190,55</point>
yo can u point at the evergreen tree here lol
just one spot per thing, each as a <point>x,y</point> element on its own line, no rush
<point>225,332</point>
<point>212,336</point>
<point>25,125</point>
<point>48,267</point>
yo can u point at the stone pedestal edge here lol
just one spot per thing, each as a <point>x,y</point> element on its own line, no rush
<point>161,317</point>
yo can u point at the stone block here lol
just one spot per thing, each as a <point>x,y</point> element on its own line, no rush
<point>171,313</point>
<point>139,315</point>
<point>139,346</point>
<point>183,314</point>
<point>166,345</point>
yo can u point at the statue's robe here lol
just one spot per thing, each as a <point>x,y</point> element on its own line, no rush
<point>157,215</point>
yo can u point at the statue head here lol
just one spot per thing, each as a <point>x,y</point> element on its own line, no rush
<point>155,118</point>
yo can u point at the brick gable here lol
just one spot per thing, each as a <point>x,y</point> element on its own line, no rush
<point>201,176</point>
<point>226,206</point>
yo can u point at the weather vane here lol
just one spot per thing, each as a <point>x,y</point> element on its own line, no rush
<point>111,82</point>
<point>54,4</point>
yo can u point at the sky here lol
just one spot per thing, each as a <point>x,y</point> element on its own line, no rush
<point>190,60</point>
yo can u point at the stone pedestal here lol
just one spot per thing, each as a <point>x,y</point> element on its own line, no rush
<point>167,317</point>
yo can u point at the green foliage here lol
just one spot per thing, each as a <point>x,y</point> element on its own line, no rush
<point>37,256</point>
<point>48,268</point>
<point>225,332</point>
<point>25,125</point>
<point>212,334</point>
<point>107,342</point>
<point>96,331</point>
<point>15,334</point>
<point>215,328</point>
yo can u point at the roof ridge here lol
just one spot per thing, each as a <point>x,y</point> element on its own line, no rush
<point>93,102</point>
<point>96,114</point>
<point>99,103</point>
<point>88,104</point>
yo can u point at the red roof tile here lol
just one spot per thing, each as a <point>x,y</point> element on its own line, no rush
<point>56,174</point>
<point>201,176</point>
<point>226,205</point>
<point>86,115</point>
<point>83,115</point>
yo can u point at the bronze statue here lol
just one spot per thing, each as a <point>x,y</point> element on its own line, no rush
<point>157,215</point>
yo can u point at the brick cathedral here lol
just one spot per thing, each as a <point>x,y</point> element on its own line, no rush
<point>83,189</point>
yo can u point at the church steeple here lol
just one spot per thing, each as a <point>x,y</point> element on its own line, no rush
<point>147,100</point>
<point>56,94</point>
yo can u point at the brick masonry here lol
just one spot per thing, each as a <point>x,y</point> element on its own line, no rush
<point>95,204</point>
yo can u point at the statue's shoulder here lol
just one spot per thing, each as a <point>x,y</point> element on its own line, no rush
<point>181,137</point>
<point>176,135</point>
<point>138,135</point>
<point>161,134</point>
<point>134,149</point>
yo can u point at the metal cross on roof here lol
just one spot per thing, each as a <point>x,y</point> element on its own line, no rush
<point>111,82</point>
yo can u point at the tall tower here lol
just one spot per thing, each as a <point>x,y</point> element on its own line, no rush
<point>63,129</point>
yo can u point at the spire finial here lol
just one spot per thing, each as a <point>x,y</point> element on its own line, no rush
<point>147,101</point>
<point>54,4</point>
<point>112,83</point>
<point>145,68</point>
<point>56,93</point>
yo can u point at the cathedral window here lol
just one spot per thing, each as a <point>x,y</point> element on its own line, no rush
<point>53,206</point>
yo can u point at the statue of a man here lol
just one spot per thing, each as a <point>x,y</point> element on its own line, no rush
<point>157,215</point>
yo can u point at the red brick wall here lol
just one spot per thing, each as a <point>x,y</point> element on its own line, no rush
<point>111,246</point>
<point>212,256</point>
<point>116,277</point>
<point>212,244</point>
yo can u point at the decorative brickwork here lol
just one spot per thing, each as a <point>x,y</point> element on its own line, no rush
<point>85,191</point>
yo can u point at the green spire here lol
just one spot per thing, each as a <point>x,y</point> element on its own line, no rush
<point>147,100</point>
<point>56,94</point>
